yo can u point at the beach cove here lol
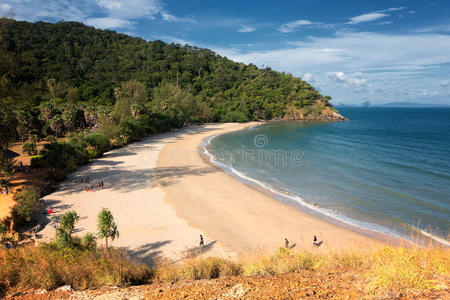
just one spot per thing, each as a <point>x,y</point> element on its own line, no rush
<point>163,194</point>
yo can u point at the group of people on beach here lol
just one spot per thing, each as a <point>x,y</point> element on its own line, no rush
<point>89,188</point>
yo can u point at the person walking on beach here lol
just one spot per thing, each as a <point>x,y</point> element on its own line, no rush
<point>202,243</point>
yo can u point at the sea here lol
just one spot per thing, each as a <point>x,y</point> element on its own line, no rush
<point>385,170</point>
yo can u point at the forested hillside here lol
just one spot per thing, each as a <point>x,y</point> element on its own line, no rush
<point>53,74</point>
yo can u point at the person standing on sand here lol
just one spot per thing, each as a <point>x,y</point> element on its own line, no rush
<point>202,243</point>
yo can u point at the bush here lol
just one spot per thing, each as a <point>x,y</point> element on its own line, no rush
<point>235,116</point>
<point>29,148</point>
<point>63,157</point>
<point>63,239</point>
<point>89,241</point>
<point>51,138</point>
<point>134,130</point>
<point>99,142</point>
<point>28,204</point>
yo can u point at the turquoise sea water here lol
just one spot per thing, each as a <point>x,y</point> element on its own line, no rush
<point>386,169</point>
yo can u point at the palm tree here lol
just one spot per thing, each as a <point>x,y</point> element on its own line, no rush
<point>107,228</point>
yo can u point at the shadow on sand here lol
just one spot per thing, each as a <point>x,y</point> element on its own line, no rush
<point>148,253</point>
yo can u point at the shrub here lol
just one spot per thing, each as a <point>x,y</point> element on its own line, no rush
<point>134,130</point>
<point>99,142</point>
<point>28,204</point>
<point>89,241</point>
<point>33,138</point>
<point>235,116</point>
<point>51,138</point>
<point>63,239</point>
<point>29,148</point>
<point>64,157</point>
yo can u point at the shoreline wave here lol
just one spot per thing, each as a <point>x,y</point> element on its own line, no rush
<point>357,224</point>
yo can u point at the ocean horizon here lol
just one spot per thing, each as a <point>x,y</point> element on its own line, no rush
<point>386,170</point>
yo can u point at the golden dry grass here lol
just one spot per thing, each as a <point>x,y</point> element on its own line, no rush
<point>48,268</point>
<point>391,270</point>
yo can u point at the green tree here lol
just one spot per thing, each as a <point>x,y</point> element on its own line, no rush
<point>67,222</point>
<point>56,124</point>
<point>99,142</point>
<point>131,93</point>
<point>29,148</point>
<point>28,204</point>
<point>107,228</point>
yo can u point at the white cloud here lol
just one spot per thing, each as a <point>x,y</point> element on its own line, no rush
<point>437,28</point>
<point>355,80</point>
<point>308,77</point>
<point>98,13</point>
<point>171,18</point>
<point>392,62</point>
<point>131,8</point>
<point>292,26</point>
<point>245,28</point>
<point>367,17</point>
<point>108,22</point>
<point>395,8</point>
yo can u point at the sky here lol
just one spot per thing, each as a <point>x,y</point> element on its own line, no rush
<point>352,50</point>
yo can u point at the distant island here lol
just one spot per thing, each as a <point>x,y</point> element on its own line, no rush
<point>393,104</point>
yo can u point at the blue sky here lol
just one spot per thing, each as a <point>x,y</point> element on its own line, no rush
<point>353,50</point>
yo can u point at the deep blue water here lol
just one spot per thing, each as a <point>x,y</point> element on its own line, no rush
<point>386,169</point>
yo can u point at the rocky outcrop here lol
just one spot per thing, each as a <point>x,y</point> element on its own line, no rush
<point>317,112</point>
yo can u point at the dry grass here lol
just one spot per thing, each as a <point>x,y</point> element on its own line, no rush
<point>387,271</point>
<point>382,272</point>
<point>407,270</point>
<point>198,268</point>
<point>48,268</point>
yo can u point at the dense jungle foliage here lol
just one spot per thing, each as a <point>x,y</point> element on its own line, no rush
<point>60,78</point>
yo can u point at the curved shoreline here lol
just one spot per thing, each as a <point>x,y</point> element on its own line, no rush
<point>358,226</point>
<point>297,203</point>
<point>238,216</point>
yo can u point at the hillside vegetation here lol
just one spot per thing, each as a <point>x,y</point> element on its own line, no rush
<point>390,272</point>
<point>74,67</point>
<point>62,82</point>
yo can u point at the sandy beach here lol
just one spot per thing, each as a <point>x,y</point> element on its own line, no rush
<point>163,194</point>
<point>236,216</point>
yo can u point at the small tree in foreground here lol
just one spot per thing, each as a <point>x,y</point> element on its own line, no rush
<point>67,222</point>
<point>107,228</point>
<point>66,226</point>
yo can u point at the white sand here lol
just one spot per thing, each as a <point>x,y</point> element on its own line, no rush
<point>149,228</point>
<point>163,195</point>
